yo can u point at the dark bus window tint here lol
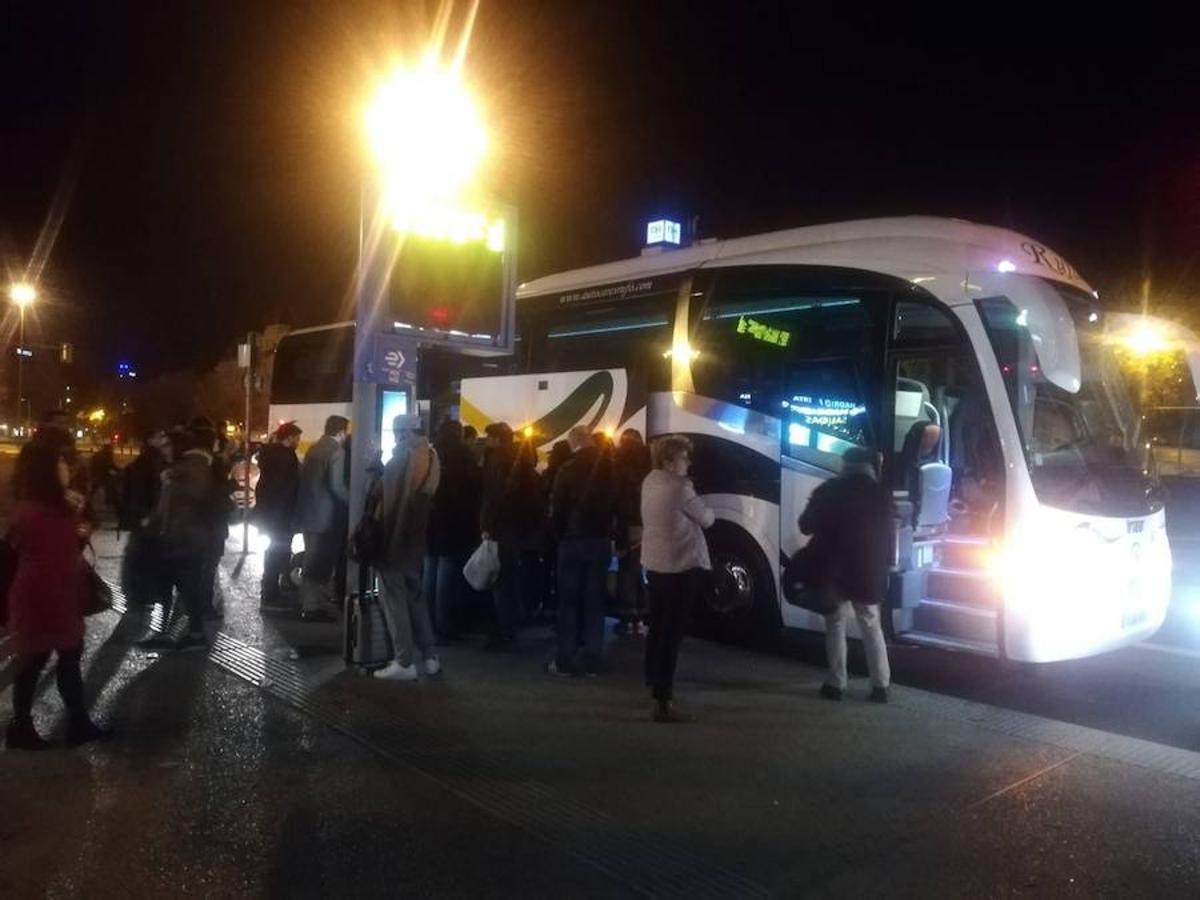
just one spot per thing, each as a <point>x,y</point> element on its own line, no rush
<point>920,323</point>
<point>314,367</point>
<point>631,335</point>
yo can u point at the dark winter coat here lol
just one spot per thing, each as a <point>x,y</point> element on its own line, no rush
<point>850,519</point>
<point>140,484</point>
<point>497,467</point>
<point>278,488</point>
<point>454,518</point>
<point>185,509</point>
<point>583,502</point>
<point>631,467</point>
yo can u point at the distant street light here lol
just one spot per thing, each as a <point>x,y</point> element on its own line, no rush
<point>23,294</point>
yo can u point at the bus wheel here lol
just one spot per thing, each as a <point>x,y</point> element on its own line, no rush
<point>739,601</point>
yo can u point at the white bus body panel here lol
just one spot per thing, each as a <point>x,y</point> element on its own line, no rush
<point>538,400</point>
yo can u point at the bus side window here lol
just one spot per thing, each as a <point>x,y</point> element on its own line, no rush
<point>807,354</point>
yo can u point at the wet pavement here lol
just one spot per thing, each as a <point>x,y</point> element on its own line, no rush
<point>265,768</point>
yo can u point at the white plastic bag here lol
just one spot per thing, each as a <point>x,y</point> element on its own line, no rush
<point>483,568</point>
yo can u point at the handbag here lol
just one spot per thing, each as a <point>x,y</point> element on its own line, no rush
<point>483,568</point>
<point>805,579</point>
<point>369,541</point>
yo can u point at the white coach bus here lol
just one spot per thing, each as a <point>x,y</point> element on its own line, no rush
<point>973,359</point>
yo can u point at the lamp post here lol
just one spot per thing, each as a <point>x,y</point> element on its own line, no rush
<point>23,294</point>
<point>427,141</point>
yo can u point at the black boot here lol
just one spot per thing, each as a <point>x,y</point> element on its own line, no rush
<point>82,730</point>
<point>21,735</point>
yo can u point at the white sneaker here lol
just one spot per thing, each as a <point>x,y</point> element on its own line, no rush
<point>433,665</point>
<point>393,671</point>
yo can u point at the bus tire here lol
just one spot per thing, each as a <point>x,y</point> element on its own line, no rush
<point>739,601</point>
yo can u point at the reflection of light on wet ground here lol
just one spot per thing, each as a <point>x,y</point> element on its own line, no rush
<point>260,541</point>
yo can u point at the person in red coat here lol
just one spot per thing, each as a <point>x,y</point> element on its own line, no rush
<point>45,601</point>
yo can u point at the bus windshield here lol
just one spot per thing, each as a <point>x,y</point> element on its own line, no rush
<point>1081,447</point>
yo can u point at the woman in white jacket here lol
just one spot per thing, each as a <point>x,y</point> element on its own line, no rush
<point>675,555</point>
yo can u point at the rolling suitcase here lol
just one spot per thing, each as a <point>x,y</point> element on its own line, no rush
<point>368,643</point>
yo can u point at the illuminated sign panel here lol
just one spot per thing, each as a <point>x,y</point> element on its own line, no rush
<point>449,274</point>
<point>663,231</point>
<point>765,333</point>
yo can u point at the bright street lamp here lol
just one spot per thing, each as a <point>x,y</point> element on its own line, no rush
<point>428,141</point>
<point>23,294</point>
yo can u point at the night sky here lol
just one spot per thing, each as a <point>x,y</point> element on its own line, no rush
<point>206,157</point>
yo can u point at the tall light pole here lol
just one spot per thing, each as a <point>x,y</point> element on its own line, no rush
<point>23,294</point>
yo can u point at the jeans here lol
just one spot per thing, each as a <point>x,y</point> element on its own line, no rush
<point>407,616</point>
<point>276,562</point>
<point>320,558</point>
<point>67,674</point>
<point>671,598</point>
<point>582,574</point>
<point>443,579</point>
<point>871,629</point>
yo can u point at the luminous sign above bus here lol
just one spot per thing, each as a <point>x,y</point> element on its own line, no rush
<point>663,231</point>
<point>451,279</point>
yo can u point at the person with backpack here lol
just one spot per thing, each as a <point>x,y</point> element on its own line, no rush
<point>582,512</point>
<point>407,487</point>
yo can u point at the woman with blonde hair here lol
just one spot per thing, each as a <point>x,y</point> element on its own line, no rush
<point>675,555</point>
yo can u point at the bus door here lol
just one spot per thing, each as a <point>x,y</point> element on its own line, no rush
<point>947,478</point>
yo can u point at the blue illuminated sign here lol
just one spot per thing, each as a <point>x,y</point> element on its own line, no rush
<point>663,231</point>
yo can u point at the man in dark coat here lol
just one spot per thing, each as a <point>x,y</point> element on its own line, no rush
<point>850,518</point>
<point>141,564</point>
<point>583,517</point>
<point>275,510</point>
<point>496,524</point>
<point>453,528</point>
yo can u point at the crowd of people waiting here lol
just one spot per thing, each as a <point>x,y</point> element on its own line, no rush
<point>555,528</point>
<point>555,531</point>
